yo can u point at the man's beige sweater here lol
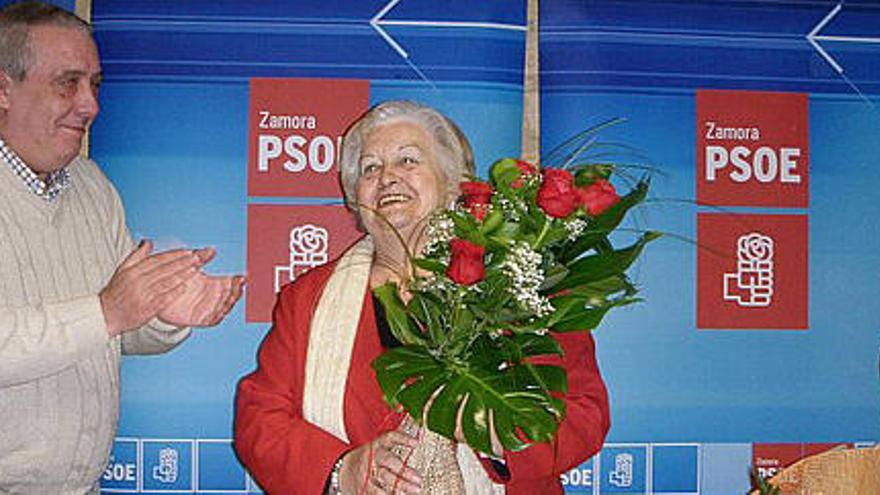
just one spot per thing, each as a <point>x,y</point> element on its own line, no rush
<point>59,370</point>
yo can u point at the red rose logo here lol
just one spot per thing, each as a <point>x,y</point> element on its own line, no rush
<point>597,197</point>
<point>525,168</point>
<point>557,193</point>
<point>476,197</point>
<point>466,264</point>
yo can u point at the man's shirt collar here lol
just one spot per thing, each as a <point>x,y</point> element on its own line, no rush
<point>49,189</point>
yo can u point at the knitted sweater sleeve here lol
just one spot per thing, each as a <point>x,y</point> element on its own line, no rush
<point>41,340</point>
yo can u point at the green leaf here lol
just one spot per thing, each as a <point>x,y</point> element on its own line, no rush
<point>398,365</point>
<point>506,431</point>
<point>401,325</point>
<point>492,222</point>
<point>430,265</point>
<point>475,422</point>
<point>429,310</point>
<point>503,172</point>
<point>531,223</point>
<point>588,318</point>
<point>587,174</point>
<point>415,396</point>
<point>550,377</point>
<point>604,265</point>
<point>553,275</point>
<point>504,235</point>
<point>555,233</point>
<point>466,227</point>
<point>603,245</point>
<point>482,385</point>
<point>534,344</point>
<point>462,330</point>
<point>606,288</point>
<point>444,408</point>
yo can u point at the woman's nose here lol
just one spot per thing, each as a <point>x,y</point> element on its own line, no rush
<point>387,176</point>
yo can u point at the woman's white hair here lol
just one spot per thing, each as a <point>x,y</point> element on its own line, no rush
<point>454,153</point>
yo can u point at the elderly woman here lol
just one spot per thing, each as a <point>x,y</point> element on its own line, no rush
<point>311,418</point>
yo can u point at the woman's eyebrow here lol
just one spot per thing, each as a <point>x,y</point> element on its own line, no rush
<point>405,146</point>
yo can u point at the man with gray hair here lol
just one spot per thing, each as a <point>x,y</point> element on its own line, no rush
<point>75,293</point>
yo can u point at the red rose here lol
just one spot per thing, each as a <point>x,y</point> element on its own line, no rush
<point>557,193</point>
<point>466,265</point>
<point>525,168</point>
<point>476,197</point>
<point>597,197</point>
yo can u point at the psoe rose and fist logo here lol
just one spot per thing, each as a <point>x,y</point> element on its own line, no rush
<point>751,285</point>
<point>286,241</point>
<point>752,271</point>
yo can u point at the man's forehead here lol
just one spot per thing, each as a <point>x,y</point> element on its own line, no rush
<point>55,31</point>
<point>64,49</point>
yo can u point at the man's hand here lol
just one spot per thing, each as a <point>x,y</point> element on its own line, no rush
<point>144,284</point>
<point>205,299</point>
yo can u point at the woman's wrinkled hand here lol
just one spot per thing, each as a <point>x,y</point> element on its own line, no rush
<point>380,467</point>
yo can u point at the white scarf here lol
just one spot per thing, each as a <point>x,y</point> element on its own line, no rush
<point>331,339</point>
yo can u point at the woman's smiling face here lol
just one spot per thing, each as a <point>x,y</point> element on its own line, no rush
<point>400,178</point>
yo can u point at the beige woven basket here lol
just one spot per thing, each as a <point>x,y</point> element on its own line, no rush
<point>836,472</point>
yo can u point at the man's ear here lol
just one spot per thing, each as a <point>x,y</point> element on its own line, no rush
<point>5,89</point>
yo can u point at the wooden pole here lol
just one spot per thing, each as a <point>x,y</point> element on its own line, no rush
<point>531,122</point>
<point>84,10</point>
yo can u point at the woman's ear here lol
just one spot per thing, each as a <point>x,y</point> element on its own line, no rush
<point>453,192</point>
<point>452,195</point>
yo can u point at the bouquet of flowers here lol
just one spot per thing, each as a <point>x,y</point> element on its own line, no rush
<point>522,255</point>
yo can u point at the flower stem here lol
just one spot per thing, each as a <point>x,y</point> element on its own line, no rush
<point>544,230</point>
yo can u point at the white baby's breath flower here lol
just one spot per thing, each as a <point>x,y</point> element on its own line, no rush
<point>509,209</point>
<point>439,232</point>
<point>523,268</point>
<point>575,228</point>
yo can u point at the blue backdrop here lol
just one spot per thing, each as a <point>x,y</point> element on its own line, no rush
<point>687,405</point>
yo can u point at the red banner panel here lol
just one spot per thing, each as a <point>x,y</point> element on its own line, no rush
<point>752,271</point>
<point>294,131</point>
<point>285,241</point>
<point>752,149</point>
<point>770,458</point>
